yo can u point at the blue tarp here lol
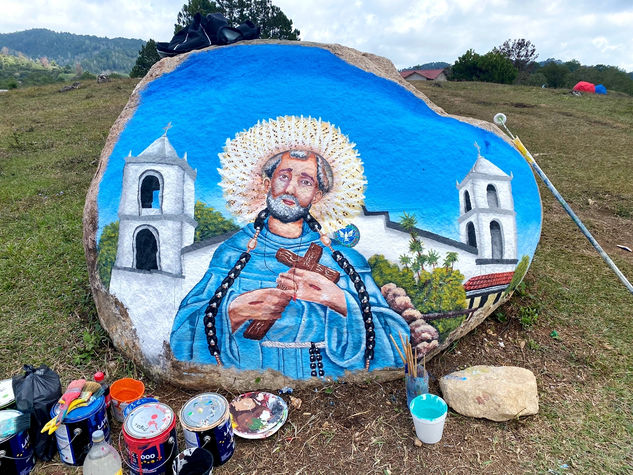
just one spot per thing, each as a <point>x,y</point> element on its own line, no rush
<point>600,89</point>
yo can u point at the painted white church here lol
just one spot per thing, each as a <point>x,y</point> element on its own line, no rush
<point>157,262</point>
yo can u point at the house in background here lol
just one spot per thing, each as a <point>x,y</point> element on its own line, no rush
<point>424,75</point>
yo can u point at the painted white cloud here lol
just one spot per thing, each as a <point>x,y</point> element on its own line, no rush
<point>408,32</point>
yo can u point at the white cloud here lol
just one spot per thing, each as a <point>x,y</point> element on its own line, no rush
<point>408,32</point>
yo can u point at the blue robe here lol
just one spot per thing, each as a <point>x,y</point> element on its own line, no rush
<point>285,347</point>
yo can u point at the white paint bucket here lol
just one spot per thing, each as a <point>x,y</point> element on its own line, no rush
<point>429,413</point>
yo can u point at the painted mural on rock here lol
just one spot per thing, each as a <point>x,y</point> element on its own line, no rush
<point>293,218</point>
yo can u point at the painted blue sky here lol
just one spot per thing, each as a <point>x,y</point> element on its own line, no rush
<point>412,156</point>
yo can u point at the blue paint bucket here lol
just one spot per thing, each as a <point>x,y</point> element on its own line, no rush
<point>206,423</point>
<point>16,452</point>
<point>74,436</point>
<point>429,413</point>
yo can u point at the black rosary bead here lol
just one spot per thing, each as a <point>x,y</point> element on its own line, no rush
<point>321,373</point>
<point>312,358</point>
<point>314,373</point>
<point>312,365</point>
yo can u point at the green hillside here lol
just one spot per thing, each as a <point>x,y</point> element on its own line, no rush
<point>93,53</point>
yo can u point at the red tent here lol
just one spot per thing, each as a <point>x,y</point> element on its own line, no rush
<point>584,86</point>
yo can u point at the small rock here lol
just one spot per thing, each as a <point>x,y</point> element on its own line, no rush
<point>295,402</point>
<point>498,393</point>
<point>417,442</point>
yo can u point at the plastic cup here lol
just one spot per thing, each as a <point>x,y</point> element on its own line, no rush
<point>416,386</point>
<point>429,413</point>
<point>123,392</point>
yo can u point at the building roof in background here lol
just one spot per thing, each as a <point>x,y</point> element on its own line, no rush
<point>430,74</point>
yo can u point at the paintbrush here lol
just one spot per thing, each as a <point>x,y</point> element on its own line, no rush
<point>13,423</point>
<point>73,391</point>
<point>91,391</point>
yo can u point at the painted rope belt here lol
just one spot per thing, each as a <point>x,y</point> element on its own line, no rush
<point>74,436</point>
<point>206,422</point>
<point>149,432</point>
<point>16,452</point>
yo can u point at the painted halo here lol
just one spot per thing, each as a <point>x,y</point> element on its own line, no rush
<point>245,155</point>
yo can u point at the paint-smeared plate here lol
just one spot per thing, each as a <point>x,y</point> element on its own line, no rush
<point>257,415</point>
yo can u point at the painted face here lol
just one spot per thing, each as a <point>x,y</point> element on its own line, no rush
<point>293,188</point>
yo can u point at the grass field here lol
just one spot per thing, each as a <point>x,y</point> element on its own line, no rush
<point>571,323</point>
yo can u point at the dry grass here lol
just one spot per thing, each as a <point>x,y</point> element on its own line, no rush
<point>49,143</point>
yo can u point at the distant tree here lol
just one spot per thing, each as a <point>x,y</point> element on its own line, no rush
<point>273,22</point>
<point>210,222</point>
<point>189,10</point>
<point>572,65</point>
<point>466,67</point>
<point>521,52</point>
<point>494,67</point>
<point>147,56</point>
<point>491,67</point>
<point>556,74</point>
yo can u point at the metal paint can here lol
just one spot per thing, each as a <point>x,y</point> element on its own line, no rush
<point>74,436</point>
<point>16,452</point>
<point>206,422</point>
<point>150,435</point>
<point>7,399</point>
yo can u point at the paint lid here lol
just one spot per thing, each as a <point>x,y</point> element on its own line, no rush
<point>204,411</point>
<point>5,417</point>
<point>258,414</point>
<point>134,404</point>
<point>149,420</point>
<point>80,413</point>
<point>6,393</point>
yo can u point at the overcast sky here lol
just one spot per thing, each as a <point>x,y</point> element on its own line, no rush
<point>408,32</point>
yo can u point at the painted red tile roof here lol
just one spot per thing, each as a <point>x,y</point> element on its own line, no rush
<point>488,280</point>
<point>427,73</point>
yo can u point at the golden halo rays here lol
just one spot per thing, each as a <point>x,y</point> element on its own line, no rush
<point>245,155</point>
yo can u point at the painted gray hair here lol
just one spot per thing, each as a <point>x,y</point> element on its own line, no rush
<point>325,177</point>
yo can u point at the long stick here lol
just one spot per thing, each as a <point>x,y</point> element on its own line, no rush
<point>500,119</point>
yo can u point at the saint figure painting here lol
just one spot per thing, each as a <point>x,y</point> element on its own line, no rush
<point>279,294</point>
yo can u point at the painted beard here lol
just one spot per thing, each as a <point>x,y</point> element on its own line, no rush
<point>284,213</point>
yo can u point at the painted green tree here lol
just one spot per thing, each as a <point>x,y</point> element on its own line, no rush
<point>210,222</point>
<point>519,273</point>
<point>433,288</point>
<point>106,251</point>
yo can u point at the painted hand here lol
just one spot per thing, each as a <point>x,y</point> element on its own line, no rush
<point>313,287</point>
<point>260,304</point>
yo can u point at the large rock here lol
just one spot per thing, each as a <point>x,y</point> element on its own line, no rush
<point>166,199</point>
<point>498,393</point>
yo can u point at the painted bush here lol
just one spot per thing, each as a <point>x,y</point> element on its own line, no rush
<point>275,209</point>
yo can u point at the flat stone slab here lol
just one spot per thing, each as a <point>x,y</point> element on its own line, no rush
<point>498,393</point>
<point>273,213</point>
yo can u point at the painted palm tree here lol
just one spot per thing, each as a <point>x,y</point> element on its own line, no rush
<point>405,261</point>
<point>432,258</point>
<point>408,222</point>
<point>450,259</point>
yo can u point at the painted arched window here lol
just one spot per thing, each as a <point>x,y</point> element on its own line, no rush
<point>472,236</point>
<point>150,192</point>
<point>493,200</point>
<point>496,240</point>
<point>467,205</point>
<point>146,250</point>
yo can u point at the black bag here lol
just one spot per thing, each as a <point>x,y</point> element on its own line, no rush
<point>212,29</point>
<point>36,392</point>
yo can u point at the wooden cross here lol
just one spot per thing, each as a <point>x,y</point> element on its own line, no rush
<point>258,328</point>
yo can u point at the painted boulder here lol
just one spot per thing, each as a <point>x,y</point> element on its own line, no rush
<point>284,212</point>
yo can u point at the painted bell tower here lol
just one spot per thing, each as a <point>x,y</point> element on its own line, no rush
<point>487,219</point>
<point>156,211</point>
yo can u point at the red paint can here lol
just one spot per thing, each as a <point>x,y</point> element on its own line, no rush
<point>149,432</point>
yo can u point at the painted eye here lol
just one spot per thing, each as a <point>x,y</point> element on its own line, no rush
<point>284,177</point>
<point>306,182</point>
